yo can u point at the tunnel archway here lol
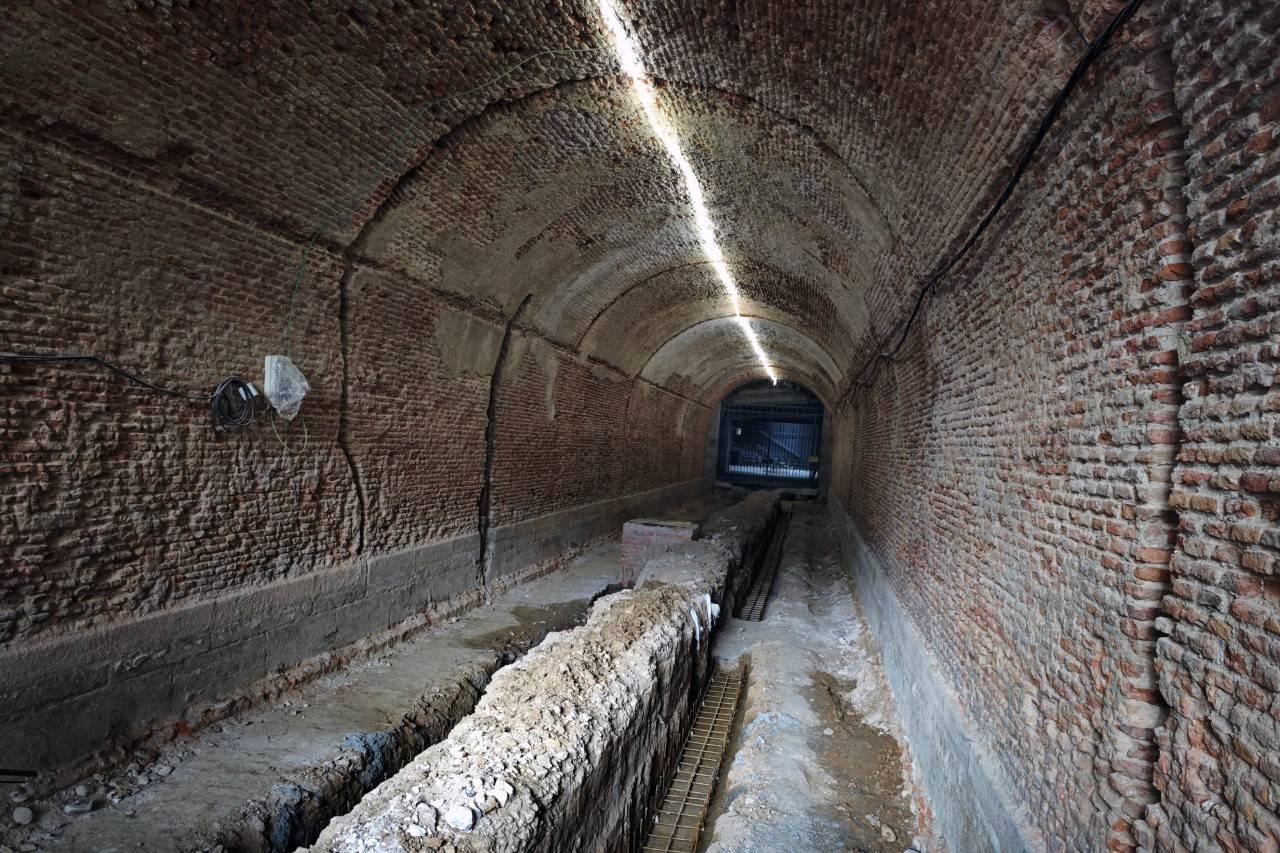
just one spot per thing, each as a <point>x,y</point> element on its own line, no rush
<point>1054,475</point>
<point>770,436</point>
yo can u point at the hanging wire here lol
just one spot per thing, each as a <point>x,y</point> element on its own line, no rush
<point>306,435</point>
<point>1095,49</point>
<point>233,405</point>
<point>93,359</point>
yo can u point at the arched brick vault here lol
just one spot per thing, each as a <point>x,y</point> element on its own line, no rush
<point>645,313</point>
<point>584,214</point>
<point>1096,378</point>
<point>704,355</point>
<point>825,177</point>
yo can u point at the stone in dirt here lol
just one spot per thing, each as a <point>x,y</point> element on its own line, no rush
<point>80,806</point>
<point>23,815</point>
<point>425,815</point>
<point>460,818</point>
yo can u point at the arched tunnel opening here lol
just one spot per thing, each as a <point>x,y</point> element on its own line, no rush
<point>640,425</point>
<point>770,435</point>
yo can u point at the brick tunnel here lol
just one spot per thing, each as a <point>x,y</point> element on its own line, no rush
<point>945,335</point>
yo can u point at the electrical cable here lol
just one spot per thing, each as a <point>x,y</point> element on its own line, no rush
<point>233,405</point>
<point>93,359</point>
<point>1095,49</point>
<point>306,436</point>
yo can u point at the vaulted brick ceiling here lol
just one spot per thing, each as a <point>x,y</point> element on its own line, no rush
<point>844,149</point>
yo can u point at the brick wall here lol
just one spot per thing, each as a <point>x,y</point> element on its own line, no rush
<point>1067,475</point>
<point>185,559</point>
<point>123,502</point>
<point>1014,469</point>
<point>117,501</point>
<point>1219,653</point>
<point>578,436</point>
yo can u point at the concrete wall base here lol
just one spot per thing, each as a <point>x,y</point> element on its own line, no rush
<point>971,802</point>
<point>71,697</point>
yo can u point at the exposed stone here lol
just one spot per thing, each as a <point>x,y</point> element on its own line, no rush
<point>460,818</point>
<point>425,815</point>
<point>632,669</point>
<point>78,807</point>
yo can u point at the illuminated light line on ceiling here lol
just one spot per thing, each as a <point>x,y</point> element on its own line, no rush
<point>629,60</point>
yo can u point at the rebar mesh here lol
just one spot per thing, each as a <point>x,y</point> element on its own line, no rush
<point>679,819</point>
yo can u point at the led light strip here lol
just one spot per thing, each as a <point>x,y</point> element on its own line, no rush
<point>629,59</point>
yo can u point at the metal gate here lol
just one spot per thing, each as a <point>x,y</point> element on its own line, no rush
<point>770,445</point>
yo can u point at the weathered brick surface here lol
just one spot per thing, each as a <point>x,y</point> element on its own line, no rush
<point>116,501</point>
<point>415,410</point>
<point>574,435</point>
<point>171,249</point>
<point>1012,466</point>
<point>1015,466</point>
<point>1219,658</point>
<point>123,502</point>
<point>1073,462</point>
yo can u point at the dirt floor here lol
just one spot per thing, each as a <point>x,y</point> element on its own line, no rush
<point>816,761</point>
<point>266,779</point>
<point>243,770</point>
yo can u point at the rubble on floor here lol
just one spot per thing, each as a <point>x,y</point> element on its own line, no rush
<point>568,747</point>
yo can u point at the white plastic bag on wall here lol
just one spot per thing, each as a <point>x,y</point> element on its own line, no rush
<point>285,385</point>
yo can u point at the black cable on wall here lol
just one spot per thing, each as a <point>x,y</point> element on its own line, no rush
<point>1095,49</point>
<point>233,404</point>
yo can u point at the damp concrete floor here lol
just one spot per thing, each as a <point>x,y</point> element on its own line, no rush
<point>816,761</point>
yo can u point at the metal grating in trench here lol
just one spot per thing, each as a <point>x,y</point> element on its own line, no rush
<point>679,819</point>
<point>757,597</point>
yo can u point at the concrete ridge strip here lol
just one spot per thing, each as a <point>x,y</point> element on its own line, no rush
<point>972,797</point>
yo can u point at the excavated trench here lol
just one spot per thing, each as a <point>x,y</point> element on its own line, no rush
<point>610,721</point>
<point>574,745</point>
<point>271,779</point>
<point>622,734</point>
<point>161,800</point>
